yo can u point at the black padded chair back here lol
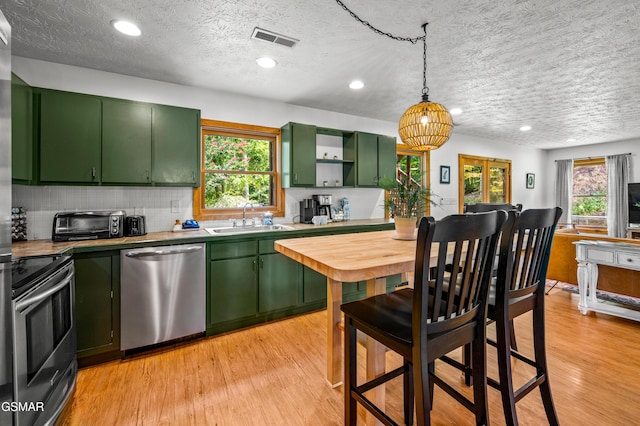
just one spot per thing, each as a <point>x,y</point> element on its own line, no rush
<point>487,207</point>
<point>473,240</point>
<point>525,250</point>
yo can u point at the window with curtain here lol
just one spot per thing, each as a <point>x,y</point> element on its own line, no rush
<point>589,200</point>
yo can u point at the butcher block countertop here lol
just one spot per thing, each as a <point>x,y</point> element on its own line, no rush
<point>45,247</point>
<point>344,257</point>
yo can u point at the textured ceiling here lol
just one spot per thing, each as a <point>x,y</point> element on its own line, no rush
<point>568,68</point>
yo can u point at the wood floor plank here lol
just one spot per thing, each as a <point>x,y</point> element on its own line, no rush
<point>274,374</point>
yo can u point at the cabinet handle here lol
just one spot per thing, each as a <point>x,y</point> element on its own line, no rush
<point>93,172</point>
<point>193,176</point>
<point>295,178</point>
<point>253,265</point>
<point>261,263</point>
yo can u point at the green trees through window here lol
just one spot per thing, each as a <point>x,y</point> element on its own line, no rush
<point>589,188</point>
<point>237,170</point>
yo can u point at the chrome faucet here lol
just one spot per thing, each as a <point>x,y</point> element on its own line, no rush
<point>244,213</point>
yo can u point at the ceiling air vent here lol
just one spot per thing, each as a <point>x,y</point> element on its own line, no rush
<point>275,38</point>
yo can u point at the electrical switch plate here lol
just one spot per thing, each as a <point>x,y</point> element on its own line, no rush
<point>175,206</point>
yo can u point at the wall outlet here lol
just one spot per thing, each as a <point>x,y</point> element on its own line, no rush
<point>175,206</point>
<point>448,201</point>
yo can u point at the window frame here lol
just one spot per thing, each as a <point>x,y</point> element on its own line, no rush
<point>582,162</point>
<point>240,130</point>
<point>402,149</point>
<point>486,163</point>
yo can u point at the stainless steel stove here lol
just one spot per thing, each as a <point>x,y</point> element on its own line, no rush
<point>44,337</point>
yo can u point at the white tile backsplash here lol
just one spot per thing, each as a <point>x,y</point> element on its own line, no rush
<point>43,202</point>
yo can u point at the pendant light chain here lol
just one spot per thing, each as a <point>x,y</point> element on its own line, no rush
<point>413,40</point>
<point>425,88</point>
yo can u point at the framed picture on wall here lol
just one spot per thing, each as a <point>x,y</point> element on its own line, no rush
<point>445,174</point>
<point>531,180</point>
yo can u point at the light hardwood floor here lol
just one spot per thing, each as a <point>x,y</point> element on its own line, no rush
<point>275,375</point>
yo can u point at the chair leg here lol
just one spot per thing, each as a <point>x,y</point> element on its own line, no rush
<point>479,361</point>
<point>504,370</point>
<point>514,344</point>
<point>541,362</point>
<point>432,370</point>
<point>350,373</point>
<point>468,365</point>
<point>421,386</point>
<point>408,392</point>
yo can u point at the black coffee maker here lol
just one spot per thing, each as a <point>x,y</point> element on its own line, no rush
<point>308,209</point>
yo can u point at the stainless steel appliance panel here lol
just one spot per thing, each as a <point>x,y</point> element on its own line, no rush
<point>162,294</point>
<point>44,341</point>
<point>6,372</point>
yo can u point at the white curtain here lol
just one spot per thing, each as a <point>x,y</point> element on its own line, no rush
<point>564,188</point>
<point>617,182</point>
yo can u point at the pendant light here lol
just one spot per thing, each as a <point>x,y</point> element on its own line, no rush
<point>425,125</point>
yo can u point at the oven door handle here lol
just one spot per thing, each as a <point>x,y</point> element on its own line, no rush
<point>25,303</point>
<point>163,252</point>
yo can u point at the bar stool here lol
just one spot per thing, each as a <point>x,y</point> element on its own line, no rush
<point>426,322</point>
<point>519,288</point>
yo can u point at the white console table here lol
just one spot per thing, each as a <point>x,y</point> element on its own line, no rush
<point>589,255</point>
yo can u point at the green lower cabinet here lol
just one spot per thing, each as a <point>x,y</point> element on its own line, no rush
<point>279,282</point>
<point>233,289</point>
<point>314,286</point>
<point>97,294</point>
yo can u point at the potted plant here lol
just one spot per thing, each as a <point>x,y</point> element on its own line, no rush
<point>405,202</point>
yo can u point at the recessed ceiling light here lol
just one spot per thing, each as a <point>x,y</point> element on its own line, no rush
<point>525,128</point>
<point>265,62</point>
<point>356,85</point>
<point>455,111</point>
<point>571,140</point>
<point>126,27</point>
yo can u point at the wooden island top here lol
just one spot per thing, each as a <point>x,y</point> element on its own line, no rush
<point>352,257</point>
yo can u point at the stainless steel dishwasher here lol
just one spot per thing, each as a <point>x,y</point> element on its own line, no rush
<point>162,294</point>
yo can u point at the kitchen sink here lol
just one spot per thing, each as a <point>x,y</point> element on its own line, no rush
<point>246,229</point>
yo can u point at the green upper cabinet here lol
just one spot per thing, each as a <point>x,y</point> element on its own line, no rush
<point>298,155</point>
<point>69,137</point>
<point>21,131</point>
<point>375,158</point>
<point>126,142</point>
<point>76,139</point>
<point>176,146</point>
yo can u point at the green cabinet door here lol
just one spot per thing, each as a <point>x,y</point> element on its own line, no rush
<point>176,146</point>
<point>126,142</point>
<point>69,137</point>
<point>367,159</point>
<point>97,292</point>
<point>21,130</point>
<point>314,286</point>
<point>386,156</point>
<point>298,155</point>
<point>375,158</point>
<point>279,282</point>
<point>233,289</point>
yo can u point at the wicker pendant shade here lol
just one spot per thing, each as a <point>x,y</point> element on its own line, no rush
<point>425,126</point>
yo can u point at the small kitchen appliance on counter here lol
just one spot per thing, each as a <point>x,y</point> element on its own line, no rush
<point>89,225</point>
<point>307,210</point>
<point>135,226</point>
<point>323,205</point>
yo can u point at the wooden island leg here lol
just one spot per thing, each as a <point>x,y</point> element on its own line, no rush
<point>334,335</point>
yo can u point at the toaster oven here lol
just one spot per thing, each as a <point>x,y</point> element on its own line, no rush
<point>71,226</point>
